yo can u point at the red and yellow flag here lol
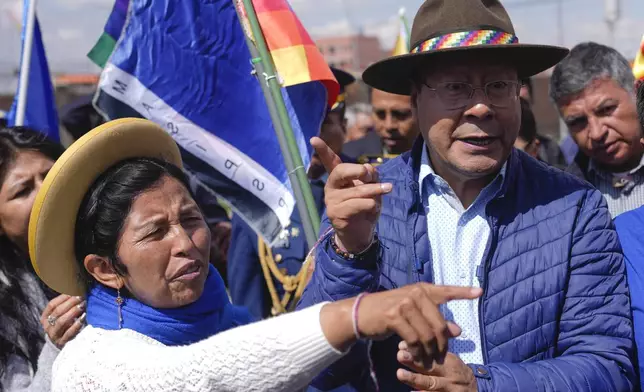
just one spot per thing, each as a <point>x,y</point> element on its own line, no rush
<point>296,57</point>
<point>638,64</point>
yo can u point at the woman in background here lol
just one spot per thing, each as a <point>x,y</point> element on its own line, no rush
<point>26,351</point>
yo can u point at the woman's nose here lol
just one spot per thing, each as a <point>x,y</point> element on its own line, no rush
<point>183,244</point>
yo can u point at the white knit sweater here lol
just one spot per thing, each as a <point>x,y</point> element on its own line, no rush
<point>279,354</point>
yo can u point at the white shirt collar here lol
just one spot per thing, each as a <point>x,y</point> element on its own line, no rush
<point>426,170</point>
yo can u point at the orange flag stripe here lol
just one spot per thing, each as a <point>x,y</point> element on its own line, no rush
<point>296,57</point>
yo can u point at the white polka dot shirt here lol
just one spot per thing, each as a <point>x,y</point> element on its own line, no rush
<point>458,238</point>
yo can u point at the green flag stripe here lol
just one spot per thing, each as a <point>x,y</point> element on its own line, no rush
<point>102,50</point>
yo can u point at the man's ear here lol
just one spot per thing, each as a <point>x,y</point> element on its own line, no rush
<point>101,269</point>
<point>414,100</point>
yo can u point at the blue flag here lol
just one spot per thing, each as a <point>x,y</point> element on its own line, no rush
<point>185,65</point>
<point>40,112</point>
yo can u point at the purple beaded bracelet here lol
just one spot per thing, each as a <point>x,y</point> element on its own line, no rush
<point>354,315</point>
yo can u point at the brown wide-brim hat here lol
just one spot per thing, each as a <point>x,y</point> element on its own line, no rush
<point>53,217</point>
<point>441,27</point>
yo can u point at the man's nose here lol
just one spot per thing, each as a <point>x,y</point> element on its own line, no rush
<point>597,132</point>
<point>479,105</point>
<point>390,123</point>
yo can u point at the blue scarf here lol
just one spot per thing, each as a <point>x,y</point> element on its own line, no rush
<point>210,314</point>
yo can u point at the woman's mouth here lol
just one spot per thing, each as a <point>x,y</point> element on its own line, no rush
<point>189,272</point>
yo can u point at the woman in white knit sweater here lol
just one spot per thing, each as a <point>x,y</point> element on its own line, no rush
<point>114,214</point>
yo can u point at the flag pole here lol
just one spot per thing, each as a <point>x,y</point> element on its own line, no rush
<point>25,65</point>
<point>267,76</point>
<point>403,19</point>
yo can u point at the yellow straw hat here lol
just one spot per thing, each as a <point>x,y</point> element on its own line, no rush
<point>53,217</point>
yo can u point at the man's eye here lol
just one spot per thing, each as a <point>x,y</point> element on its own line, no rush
<point>500,85</point>
<point>454,87</point>
<point>577,124</point>
<point>606,110</point>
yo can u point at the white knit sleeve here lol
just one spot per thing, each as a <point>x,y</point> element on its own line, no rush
<point>279,354</point>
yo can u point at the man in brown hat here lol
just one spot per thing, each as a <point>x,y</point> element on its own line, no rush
<point>464,208</point>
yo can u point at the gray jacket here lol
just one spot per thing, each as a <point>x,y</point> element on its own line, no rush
<point>19,375</point>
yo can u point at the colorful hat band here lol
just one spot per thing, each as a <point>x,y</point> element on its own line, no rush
<point>465,39</point>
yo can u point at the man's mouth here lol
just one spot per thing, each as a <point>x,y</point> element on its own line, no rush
<point>607,149</point>
<point>479,141</point>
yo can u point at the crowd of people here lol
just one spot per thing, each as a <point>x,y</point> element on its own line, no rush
<point>459,249</point>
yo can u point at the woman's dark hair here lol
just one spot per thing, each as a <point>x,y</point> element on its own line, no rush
<point>20,331</point>
<point>107,204</point>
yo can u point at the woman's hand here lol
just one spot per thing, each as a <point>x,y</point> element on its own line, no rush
<point>63,318</point>
<point>452,375</point>
<point>410,312</point>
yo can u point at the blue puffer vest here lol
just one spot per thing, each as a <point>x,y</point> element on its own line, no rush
<point>555,313</point>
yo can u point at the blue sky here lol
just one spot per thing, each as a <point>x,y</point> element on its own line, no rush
<point>70,27</point>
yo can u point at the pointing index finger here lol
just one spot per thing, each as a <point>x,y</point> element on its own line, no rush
<point>443,294</point>
<point>329,158</point>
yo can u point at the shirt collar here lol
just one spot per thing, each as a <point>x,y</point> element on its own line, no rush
<point>426,170</point>
<point>624,181</point>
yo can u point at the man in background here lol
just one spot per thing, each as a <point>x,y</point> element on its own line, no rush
<point>594,90</point>
<point>395,129</point>
<point>359,121</point>
<point>630,226</point>
<point>548,150</point>
<point>527,139</point>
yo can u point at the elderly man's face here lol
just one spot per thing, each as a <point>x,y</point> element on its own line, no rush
<point>602,120</point>
<point>469,138</point>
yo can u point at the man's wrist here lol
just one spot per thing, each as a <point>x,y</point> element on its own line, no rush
<point>340,249</point>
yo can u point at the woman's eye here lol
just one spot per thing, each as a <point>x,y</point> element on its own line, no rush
<point>154,233</point>
<point>24,192</point>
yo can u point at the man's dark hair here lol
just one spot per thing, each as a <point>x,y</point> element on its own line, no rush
<point>586,63</point>
<point>528,130</point>
<point>528,83</point>
<point>107,204</point>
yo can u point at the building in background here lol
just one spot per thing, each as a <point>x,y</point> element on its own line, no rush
<point>352,53</point>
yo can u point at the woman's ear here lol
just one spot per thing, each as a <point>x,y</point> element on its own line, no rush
<point>101,269</point>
